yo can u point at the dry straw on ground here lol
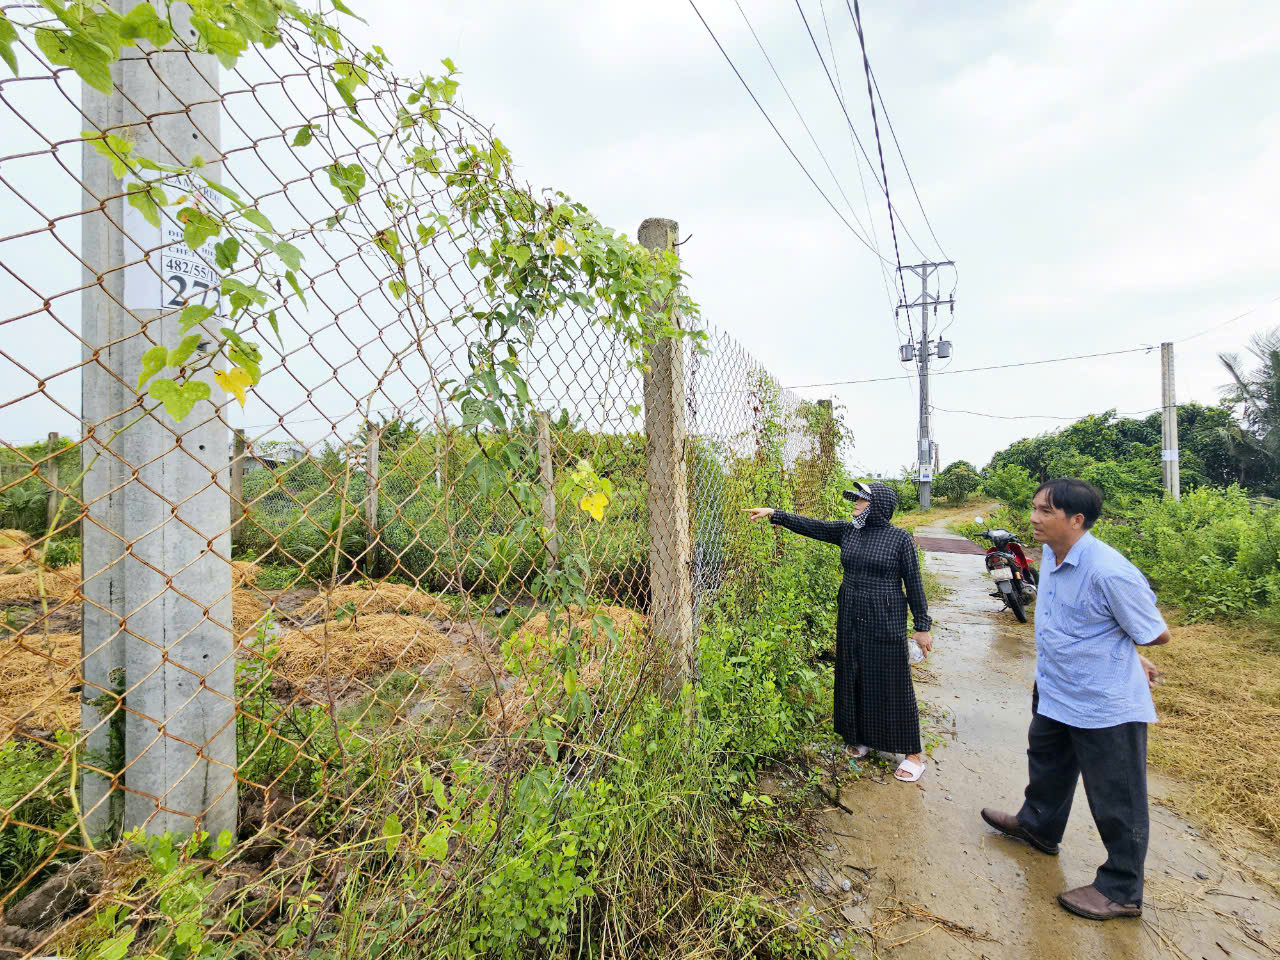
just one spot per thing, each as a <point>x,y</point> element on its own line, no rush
<point>1219,729</point>
<point>24,587</point>
<point>382,598</point>
<point>243,573</point>
<point>380,643</point>
<point>533,641</point>
<point>248,606</point>
<point>36,679</point>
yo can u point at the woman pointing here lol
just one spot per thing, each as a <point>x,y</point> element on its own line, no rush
<point>875,702</point>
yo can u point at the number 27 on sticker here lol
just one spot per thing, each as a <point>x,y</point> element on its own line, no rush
<point>180,284</point>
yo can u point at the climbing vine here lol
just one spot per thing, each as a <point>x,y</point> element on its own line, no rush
<point>535,257</point>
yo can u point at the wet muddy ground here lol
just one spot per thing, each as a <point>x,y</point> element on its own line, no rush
<point>928,879</point>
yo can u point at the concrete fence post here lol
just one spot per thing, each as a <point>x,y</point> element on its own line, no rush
<point>670,549</point>
<point>157,582</point>
<point>371,496</point>
<point>51,478</point>
<point>546,474</point>
<point>238,509</point>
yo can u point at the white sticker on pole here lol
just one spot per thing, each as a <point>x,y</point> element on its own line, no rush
<point>1169,454</point>
<point>163,273</point>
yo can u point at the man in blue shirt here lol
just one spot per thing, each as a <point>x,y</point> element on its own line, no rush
<point>1092,699</point>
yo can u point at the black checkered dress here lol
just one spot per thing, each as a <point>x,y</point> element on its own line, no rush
<point>875,702</point>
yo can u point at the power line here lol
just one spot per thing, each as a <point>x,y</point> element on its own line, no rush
<point>1238,316</point>
<point>1041,416</point>
<point>866,64</point>
<point>883,184</point>
<point>765,113</point>
<point>906,169</point>
<point>805,124</point>
<point>862,183</point>
<point>997,366</point>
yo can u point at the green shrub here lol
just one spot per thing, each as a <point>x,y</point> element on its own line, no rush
<point>1212,552</point>
<point>1010,484</point>
<point>957,482</point>
<point>61,553</point>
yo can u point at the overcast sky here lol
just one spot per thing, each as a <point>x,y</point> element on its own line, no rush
<point>1104,175</point>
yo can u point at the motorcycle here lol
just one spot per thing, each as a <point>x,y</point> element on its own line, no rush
<point>1016,579</point>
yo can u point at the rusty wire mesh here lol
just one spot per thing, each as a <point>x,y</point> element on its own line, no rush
<point>373,609</point>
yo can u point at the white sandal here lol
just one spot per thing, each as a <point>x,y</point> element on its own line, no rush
<point>913,768</point>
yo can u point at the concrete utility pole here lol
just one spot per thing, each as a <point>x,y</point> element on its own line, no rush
<point>157,581</point>
<point>921,351</point>
<point>1169,467</point>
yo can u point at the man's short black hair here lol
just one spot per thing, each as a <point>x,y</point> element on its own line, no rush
<point>1073,496</point>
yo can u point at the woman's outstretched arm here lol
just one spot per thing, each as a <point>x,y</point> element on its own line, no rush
<point>911,579</point>
<point>827,532</point>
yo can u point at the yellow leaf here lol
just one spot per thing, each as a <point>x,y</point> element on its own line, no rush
<point>594,504</point>
<point>234,381</point>
<point>561,246</point>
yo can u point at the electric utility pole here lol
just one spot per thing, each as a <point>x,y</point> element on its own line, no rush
<point>920,351</point>
<point>1169,425</point>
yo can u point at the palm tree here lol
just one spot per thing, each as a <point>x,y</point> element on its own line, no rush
<point>1255,438</point>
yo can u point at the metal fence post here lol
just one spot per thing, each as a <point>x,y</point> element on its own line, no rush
<point>670,551</point>
<point>157,588</point>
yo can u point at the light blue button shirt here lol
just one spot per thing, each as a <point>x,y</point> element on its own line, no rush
<point>1092,609</point>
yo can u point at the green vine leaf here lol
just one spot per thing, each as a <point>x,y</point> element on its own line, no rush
<point>197,226</point>
<point>397,288</point>
<point>86,58</point>
<point>141,23</point>
<point>147,200</point>
<point>290,254</point>
<point>194,314</point>
<point>343,8</point>
<point>225,191</point>
<point>293,282</point>
<point>179,400</point>
<point>226,253</point>
<point>8,37</point>
<point>182,352</point>
<point>349,179</point>
<point>153,361</point>
<point>388,242</point>
<point>304,135</point>
<point>258,219</point>
<point>226,45</point>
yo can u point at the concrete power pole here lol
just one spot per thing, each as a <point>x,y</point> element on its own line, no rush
<point>1169,467</point>
<point>157,581</point>
<point>921,351</point>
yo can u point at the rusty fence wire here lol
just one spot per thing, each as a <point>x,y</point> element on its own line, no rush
<point>278,623</point>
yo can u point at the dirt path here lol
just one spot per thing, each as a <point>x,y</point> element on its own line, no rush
<point>923,858</point>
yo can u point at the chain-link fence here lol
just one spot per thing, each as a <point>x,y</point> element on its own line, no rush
<point>368,480</point>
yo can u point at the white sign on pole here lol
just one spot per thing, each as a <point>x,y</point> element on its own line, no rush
<point>162,272</point>
<point>926,473</point>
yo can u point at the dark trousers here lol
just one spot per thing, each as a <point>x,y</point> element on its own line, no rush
<point>1113,762</point>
